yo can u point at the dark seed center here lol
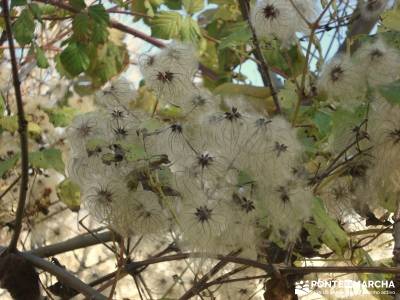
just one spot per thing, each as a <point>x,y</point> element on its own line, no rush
<point>270,12</point>
<point>117,114</point>
<point>395,136</point>
<point>205,160</point>
<point>106,195</point>
<point>121,132</point>
<point>203,213</point>
<point>280,148</point>
<point>232,115</point>
<point>283,194</point>
<point>165,77</point>
<point>176,128</point>
<point>85,130</point>
<point>376,54</point>
<point>336,73</point>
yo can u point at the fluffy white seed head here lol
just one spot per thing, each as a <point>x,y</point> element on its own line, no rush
<point>384,132</point>
<point>182,55</point>
<point>170,72</point>
<point>119,93</point>
<point>202,220</point>
<point>341,79</point>
<point>274,18</point>
<point>196,103</point>
<point>83,128</point>
<point>138,214</point>
<point>381,63</point>
<point>286,206</point>
<point>101,195</point>
<point>282,19</point>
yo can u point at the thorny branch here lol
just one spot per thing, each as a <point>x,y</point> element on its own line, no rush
<point>22,130</point>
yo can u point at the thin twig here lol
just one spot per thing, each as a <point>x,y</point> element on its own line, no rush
<point>263,66</point>
<point>10,187</point>
<point>81,241</point>
<point>200,285</point>
<point>120,263</point>
<point>300,93</point>
<point>22,130</point>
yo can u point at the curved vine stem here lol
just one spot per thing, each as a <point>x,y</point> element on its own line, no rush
<point>22,130</point>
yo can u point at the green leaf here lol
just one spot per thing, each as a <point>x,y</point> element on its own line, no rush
<point>190,30</point>
<point>61,116</point>
<point>238,37</point>
<point>133,152</point>
<point>34,129</point>
<point>170,111</point>
<point>391,19</point>
<point>17,3</point>
<point>99,21</point>
<point>108,60</point>
<point>24,27</point>
<point>227,11</point>
<point>275,57</point>
<point>69,193</point>
<point>142,7</point>
<point>60,68</point>
<point>99,14</point>
<point>151,125</point>
<point>330,232</point>
<point>7,164</point>
<point>323,122</point>
<point>2,105</point>
<point>156,3</point>
<point>99,33</point>
<point>166,25</point>
<point>9,123</point>
<point>391,92</point>
<point>47,159</point>
<point>193,6</point>
<point>74,59</point>
<point>41,59</point>
<point>91,26</point>
<point>172,4</point>
<point>77,4</point>
<point>81,26</point>
<point>35,9</point>
<point>244,89</point>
